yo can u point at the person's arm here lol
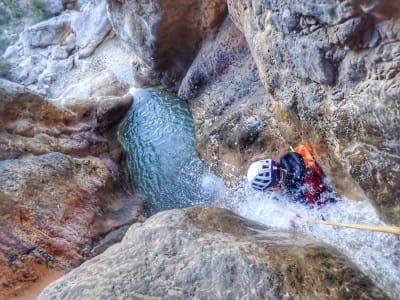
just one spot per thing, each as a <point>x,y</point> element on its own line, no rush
<point>293,163</point>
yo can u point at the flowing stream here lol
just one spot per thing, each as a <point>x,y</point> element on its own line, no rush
<point>158,137</point>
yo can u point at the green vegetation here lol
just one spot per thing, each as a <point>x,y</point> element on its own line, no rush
<point>4,42</point>
<point>39,8</point>
<point>10,14</point>
<point>4,68</point>
<point>14,15</point>
<point>9,10</point>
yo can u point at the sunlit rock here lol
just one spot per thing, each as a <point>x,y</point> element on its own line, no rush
<point>102,84</point>
<point>49,49</point>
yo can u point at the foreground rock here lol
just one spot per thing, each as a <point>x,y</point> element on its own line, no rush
<point>212,253</point>
<point>63,196</point>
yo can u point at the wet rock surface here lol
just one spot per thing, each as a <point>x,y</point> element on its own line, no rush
<point>63,195</point>
<point>213,253</point>
<point>232,111</point>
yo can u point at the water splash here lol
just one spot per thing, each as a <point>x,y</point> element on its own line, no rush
<point>158,137</point>
<point>376,253</point>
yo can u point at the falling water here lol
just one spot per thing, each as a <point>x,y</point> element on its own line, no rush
<point>158,136</point>
<point>376,253</point>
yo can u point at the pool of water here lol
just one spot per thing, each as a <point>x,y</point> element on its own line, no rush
<point>159,140</point>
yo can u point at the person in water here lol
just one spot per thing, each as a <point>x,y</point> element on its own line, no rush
<point>297,172</point>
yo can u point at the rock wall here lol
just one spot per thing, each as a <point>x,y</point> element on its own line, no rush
<point>232,111</point>
<point>164,35</point>
<point>331,70</point>
<point>63,195</point>
<point>210,253</point>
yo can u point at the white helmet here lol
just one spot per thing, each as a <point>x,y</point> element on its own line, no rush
<point>263,174</point>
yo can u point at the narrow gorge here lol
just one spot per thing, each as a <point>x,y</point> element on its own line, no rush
<point>127,128</point>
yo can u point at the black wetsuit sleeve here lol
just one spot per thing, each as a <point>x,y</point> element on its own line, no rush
<point>293,163</point>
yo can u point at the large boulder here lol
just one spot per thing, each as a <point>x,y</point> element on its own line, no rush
<point>331,69</point>
<point>63,196</point>
<point>164,35</point>
<point>211,253</point>
<point>31,125</point>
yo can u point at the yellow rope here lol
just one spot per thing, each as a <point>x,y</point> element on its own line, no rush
<point>387,229</point>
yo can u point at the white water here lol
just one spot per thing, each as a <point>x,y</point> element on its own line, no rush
<point>376,253</point>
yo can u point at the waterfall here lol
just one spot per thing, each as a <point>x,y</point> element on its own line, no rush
<point>375,253</point>
<point>158,137</point>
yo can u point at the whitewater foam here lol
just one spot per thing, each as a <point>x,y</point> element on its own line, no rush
<point>376,253</point>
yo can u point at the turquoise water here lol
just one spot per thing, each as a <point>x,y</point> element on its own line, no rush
<point>158,136</point>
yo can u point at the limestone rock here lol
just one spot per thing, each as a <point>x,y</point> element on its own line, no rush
<point>211,253</point>
<point>231,109</point>
<point>164,35</point>
<point>331,69</point>
<point>48,32</point>
<point>91,27</point>
<point>55,7</point>
<point>63,195</point>
<point>103,84</point>
<point>50,48</point>
<point>76,126</point>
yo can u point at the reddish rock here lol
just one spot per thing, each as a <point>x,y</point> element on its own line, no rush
<point>63,197</point>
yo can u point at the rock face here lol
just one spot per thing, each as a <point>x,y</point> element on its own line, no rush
<point>211,253</point>
<point>74,126</point>
<point>48,49</point>
<point>102,84</point>
<point>164,35</point>
<point>63,196</point>
<point>232,111</point>
<point>331,69</point>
